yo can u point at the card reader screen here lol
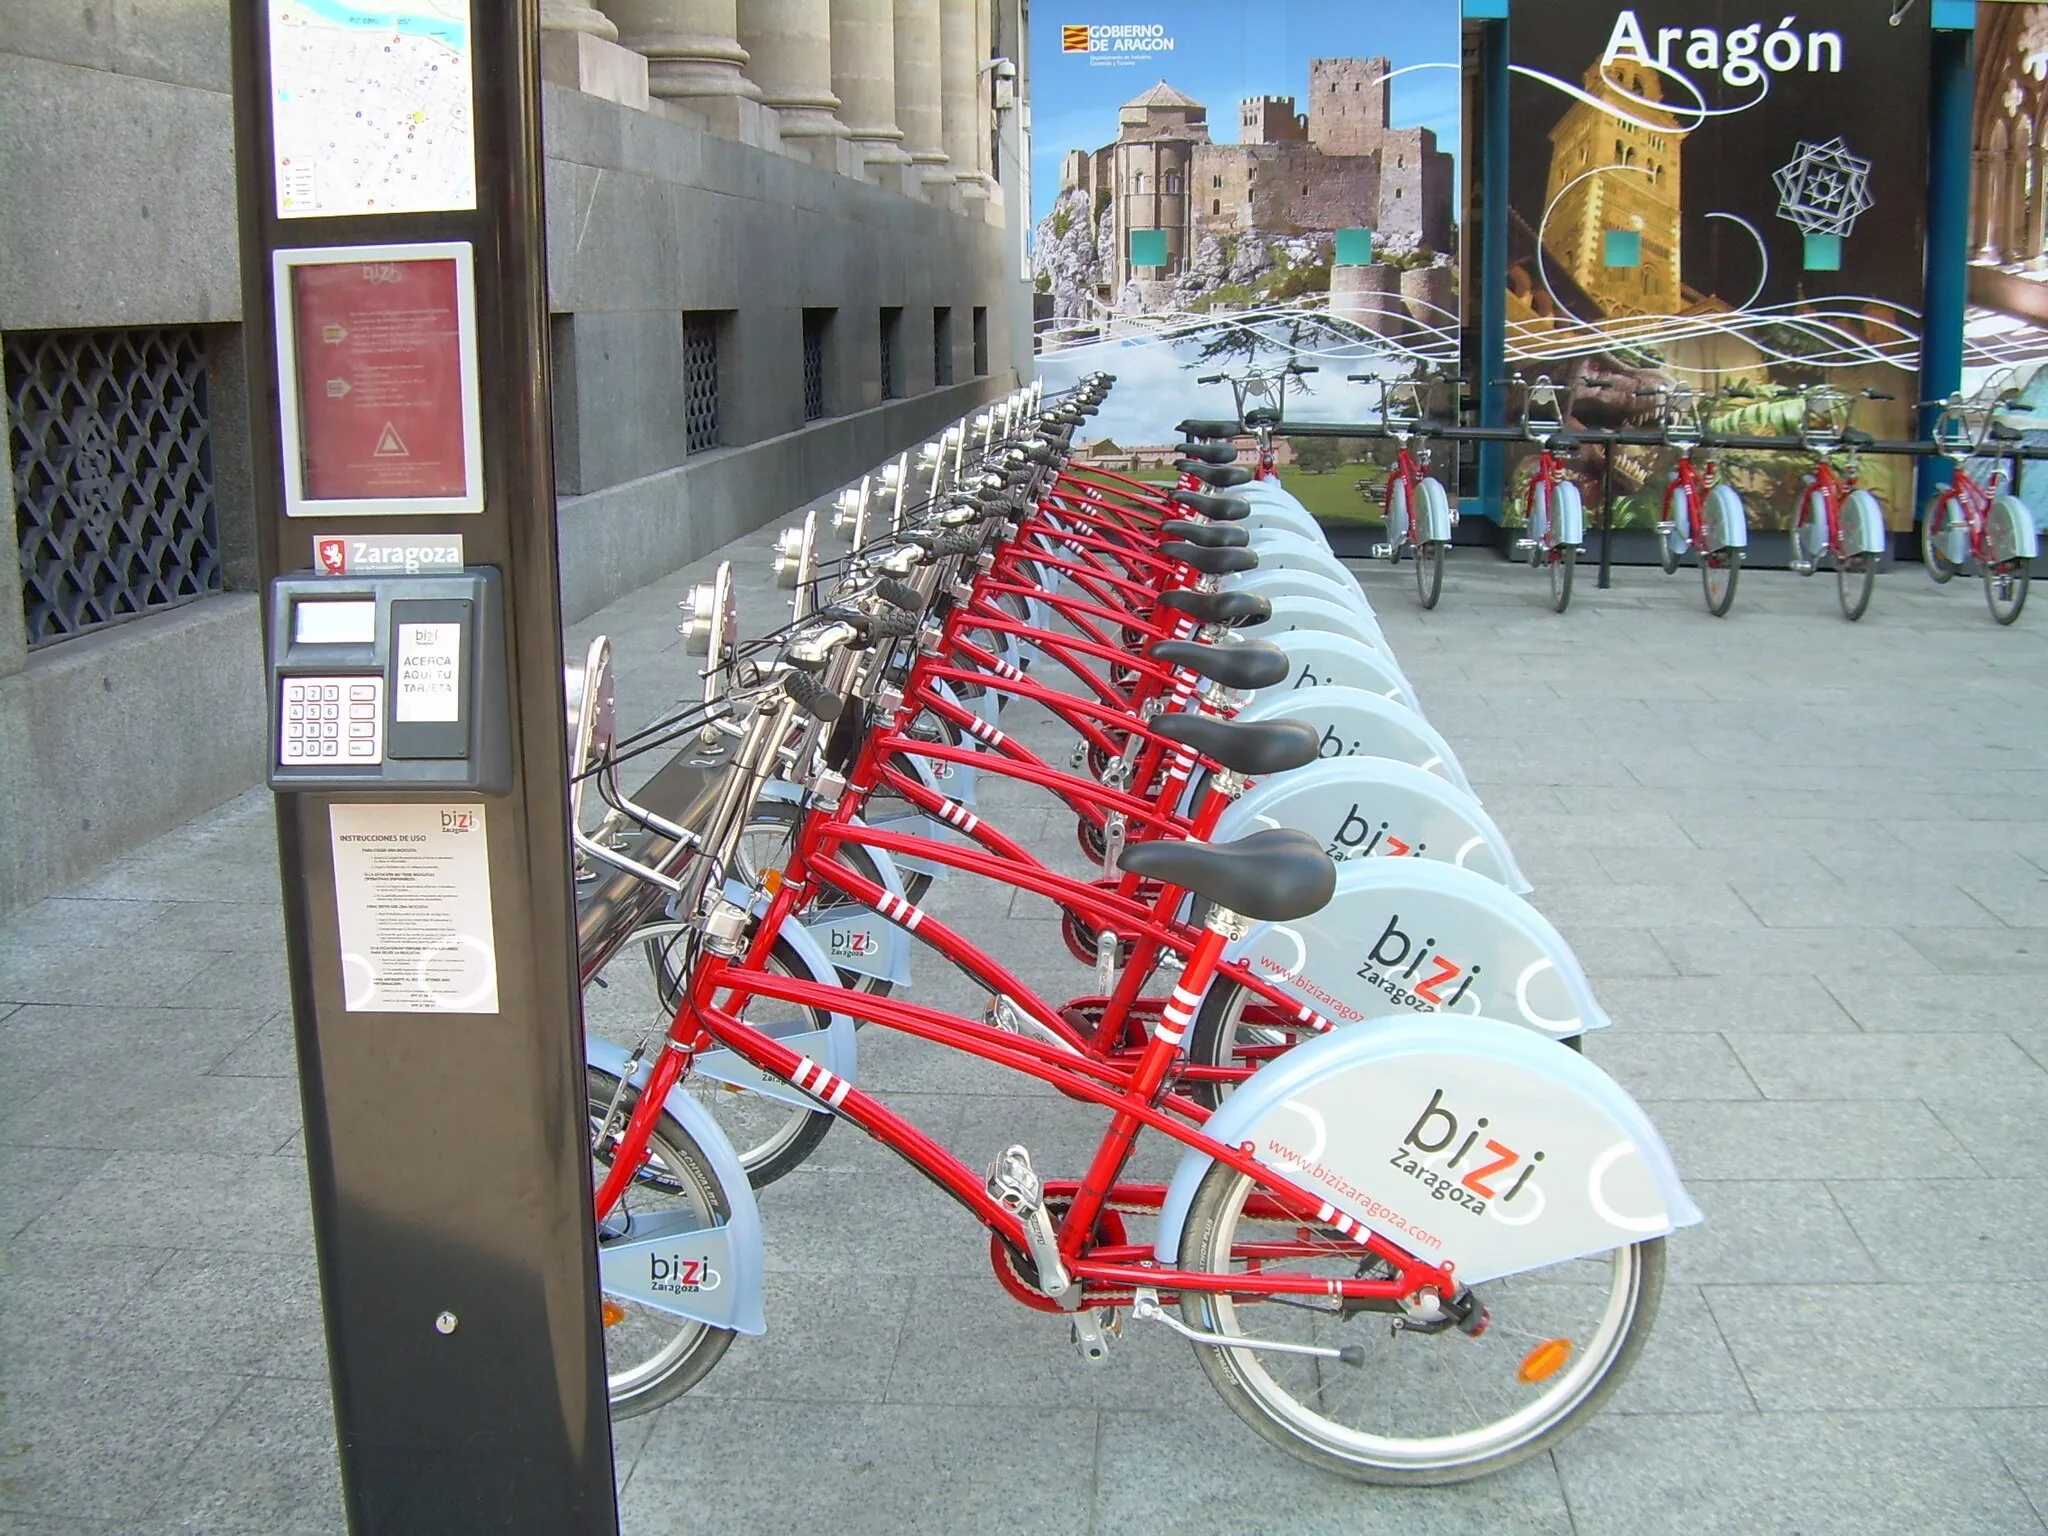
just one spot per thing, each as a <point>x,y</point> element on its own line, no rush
<point>335,623</point>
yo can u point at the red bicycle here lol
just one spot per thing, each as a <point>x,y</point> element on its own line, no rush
<point>1418,510</point>
<point>1553,509</point>
<point>1979,524</point>
<point>1835,517</point>
<point>1703,514</point>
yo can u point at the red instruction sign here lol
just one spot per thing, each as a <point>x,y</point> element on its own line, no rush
<point>379,349</point>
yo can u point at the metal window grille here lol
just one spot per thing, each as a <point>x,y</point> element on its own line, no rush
<point>980,340</point>
<point>700,382</point>
<point>942,347</point>
<point>892,386</point>
<point>113,476</point>
<point>814,362</point>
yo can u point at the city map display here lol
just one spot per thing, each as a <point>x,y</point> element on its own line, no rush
<point>372,107</point>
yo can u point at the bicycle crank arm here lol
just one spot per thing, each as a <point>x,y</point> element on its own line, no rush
<point>1145,1307</point>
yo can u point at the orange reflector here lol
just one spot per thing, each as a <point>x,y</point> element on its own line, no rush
<point>1544,1361</point>
<point>614,1314</point>
<point>772,882</point>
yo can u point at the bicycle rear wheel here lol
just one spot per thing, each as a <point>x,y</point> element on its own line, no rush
<point>1933,531</point>
<point>1855,576</point>
<point>2005,588</point>
<point>1718,571</point>
<point>1429,572</point>
<point>1424,1408</point>
<point>652,1357</point>
<point>1564,560</point>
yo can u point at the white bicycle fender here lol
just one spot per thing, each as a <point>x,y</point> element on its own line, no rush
<point>1568,508</point>
<point>1724,518</point>
<point>833,1046</point>
<point>1280,550</point>
<point>1291,611</point>
<point>1356,722</point>
<point>858,939</point>
<point>1433,517</point>
<point>1321,658</point>
<point>1862,524</point>
<point>1278,583</point>
<point>709,1275</point>
<point>1397,513</point>
<point>1383,1121</point>
<point>1375,808</point>
<point>2011,534</point>
<point>1429,938</point>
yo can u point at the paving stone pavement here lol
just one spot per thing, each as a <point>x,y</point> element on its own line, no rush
<point>1806,864</point>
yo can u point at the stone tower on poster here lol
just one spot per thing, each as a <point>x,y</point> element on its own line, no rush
<point>1617,172</point>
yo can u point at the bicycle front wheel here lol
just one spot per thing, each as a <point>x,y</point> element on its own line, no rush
<point>652,1357</point>
<point>1718,570</point>
<point>1933,532</point>
<point>1424,1408</point>
<point>2005,588</point>
<point>1855,576</point>
<point>1429,572</point>
<point>1564,560</point>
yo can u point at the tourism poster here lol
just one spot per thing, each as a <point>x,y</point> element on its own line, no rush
<point>1702,194</point>
<point>1224,188</point>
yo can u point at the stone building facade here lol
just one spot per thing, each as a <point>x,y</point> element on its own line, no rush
<point>1340,164</point>
<point>1609,174</point>
<point>749,202</point>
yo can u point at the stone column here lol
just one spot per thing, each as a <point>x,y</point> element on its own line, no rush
<point>574,16</point>
<point>864,79</point>
<point>1370,298</point>
<point>693,56</point>
<point>917,91</point>
<point>789,48</point>
<point>963,123</point>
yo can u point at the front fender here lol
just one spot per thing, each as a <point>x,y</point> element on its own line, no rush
<point>833,1046</point>
<point>1430,938</point>
<point>733,1252</point>
<point>1357,722</point>
<point>1380,1121</point>
<point>1373,807</point>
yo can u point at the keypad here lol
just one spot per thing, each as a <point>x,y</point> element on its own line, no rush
<point>331,722</point>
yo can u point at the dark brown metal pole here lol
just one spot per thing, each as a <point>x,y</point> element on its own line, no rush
<point>447,1150</point>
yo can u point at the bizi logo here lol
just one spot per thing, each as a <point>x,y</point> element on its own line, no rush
<point>1358,838</point>
<point>458,821</point>
<point>676,1275</point>
<point>853,941</point>
<point>1483,1169</point>
<point>1417,976</point>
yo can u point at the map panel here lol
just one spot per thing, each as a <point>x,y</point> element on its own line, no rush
<point>371,107</point>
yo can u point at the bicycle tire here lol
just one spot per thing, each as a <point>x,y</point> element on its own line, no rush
<point>1408,1380</point>
<point>1429,572</point>
<point>768,1136</point>
<point>1855,579</point>
<point>676,1170</point>
<point>1720,563</point>
<point>1235,1028</point>
<point>2013,577</point>
<point>1932,525</point>
<point>1564,561</point>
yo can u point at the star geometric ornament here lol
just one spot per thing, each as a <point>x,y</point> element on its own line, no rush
<point>1824,188</point>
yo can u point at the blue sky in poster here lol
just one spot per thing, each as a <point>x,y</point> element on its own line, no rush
<point>1225,50</point>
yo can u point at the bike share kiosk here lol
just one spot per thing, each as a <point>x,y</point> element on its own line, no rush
<point>394,303</point>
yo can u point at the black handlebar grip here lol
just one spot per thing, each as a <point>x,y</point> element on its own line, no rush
<point>1210,378</point>
<point>961,541</point>
<point>891,623</point>
<point>1877,394</point>
<point>1304,368</point>
<point>900,594</point>
<point>812,696</point>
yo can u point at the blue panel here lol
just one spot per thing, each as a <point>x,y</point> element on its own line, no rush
<point>1823,253</point>
<point>1148,247</point>
<point>1486,10</point>
<point>1354,248</point>
<point>1623,248</point>
<point>1950,16</point>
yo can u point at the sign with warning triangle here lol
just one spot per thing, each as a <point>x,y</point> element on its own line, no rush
<point>390,445</point>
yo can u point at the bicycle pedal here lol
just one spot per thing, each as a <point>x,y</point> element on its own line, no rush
<point>1383,552</point>
<point>1804,567</point>
<point>1093,1329</point>
<point>1015,1185</point>
<point>1667,527</point>
<point>1105,961</point>
<point>1527,546</point>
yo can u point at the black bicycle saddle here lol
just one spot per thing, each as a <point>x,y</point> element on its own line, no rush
<point>1254,664</point>
<point>1207,535</point>
<point>1223,509</point>
<point>1234,608</point>
<point>1256,747</point>
<point>1211,562</point>
<point>1270,877</point>
<point>1218,477</point>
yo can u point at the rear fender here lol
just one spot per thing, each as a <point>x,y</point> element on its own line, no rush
<point>1356,722</point>
<point>2011,534</point>
<point>1319,658</point>
<point>1280,550</point>
<point>1374,808</point>
<point>833,1046</point>
<point>1426,937</point>
<point>1725,519</point>
<point>1568,513</point>
<point>856,939</point>
<point>722,1286</point>
<point>1862,524</point>
<point>1380,1122</point>
<point>1433,513</point>
<point>1279,583</point>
